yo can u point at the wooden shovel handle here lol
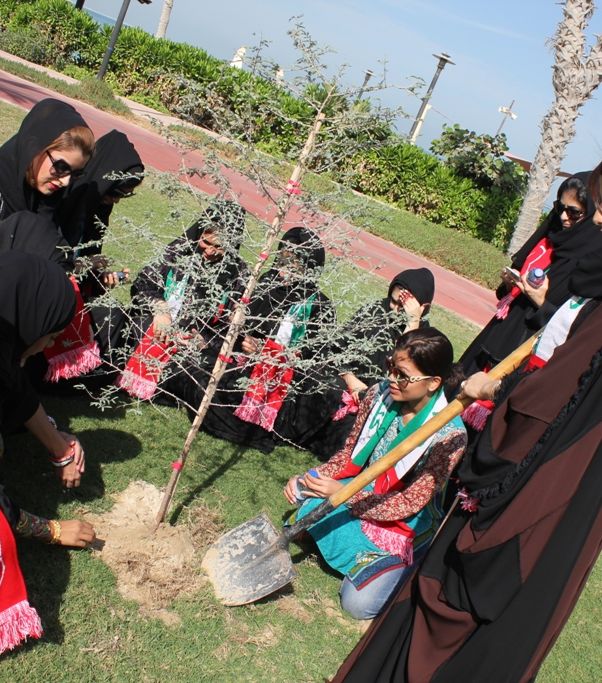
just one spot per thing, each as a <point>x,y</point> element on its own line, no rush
<point>453,409</point>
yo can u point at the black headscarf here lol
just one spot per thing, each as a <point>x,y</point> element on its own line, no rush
<point>569,242</point>
<point>36,297</point>
<point>306,245</point>
<point>226,218</point>
<point>34,233</point>
<point>114,155</point>
<point>419,281</point>
<point>46,121</point>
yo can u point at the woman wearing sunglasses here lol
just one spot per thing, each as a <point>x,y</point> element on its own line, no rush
<point>556,247</point>
<point>52,147</point>
<point>376,538</point>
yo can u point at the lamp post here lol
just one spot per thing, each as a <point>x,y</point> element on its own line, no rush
<point>368,75</point>
<point>114,35</point>
<point>507,114</point>
<point>444,59</point>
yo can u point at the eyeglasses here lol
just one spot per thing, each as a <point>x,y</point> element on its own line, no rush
<point>59,168</point>
<point>121,194</point>
<point>573,212</point>
<point>401,379</point>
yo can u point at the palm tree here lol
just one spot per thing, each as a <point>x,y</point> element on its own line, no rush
<point>164,19</point>
<point>576,75</point>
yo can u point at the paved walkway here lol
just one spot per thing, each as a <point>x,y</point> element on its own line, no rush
<point>454,292</point>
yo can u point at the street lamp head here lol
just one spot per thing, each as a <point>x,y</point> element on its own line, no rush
<point>444,57</point>
<point>145,2</point>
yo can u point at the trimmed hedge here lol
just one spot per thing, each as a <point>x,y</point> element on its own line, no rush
<point>415,180</point>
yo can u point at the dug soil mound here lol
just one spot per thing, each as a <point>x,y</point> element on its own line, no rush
<point>153,567</point>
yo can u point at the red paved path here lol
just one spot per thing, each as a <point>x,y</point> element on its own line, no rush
<point>467,299</point>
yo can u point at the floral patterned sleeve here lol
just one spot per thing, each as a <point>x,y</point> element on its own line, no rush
<point>341,459</point>
<point>444,455</point>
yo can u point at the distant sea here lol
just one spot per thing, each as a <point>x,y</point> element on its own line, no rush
<point>102,19</point>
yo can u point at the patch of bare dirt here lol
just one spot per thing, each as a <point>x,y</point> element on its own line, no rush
<point>153,567</point>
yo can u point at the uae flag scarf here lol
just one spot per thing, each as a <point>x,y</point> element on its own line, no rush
<point>75,351</point>
<point>272,374</point>
<point>18,620</point>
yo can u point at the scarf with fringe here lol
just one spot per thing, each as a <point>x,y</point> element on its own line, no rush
<point>18,619</point>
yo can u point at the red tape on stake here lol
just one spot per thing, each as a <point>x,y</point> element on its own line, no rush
<point>177,465</point>
<point>225,359</point>
<point>263,256</point>
<point>245,300</point>
<point>293,187</point>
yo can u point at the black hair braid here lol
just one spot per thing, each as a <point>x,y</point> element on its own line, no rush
<point>509,480</point>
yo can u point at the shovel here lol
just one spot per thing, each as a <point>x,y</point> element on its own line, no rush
<point>252,561</point>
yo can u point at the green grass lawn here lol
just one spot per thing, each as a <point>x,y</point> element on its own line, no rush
<point>95,635</point>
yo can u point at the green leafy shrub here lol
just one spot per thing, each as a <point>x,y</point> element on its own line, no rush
<point>75,35</point>
<point>415,180</point>
<point>29,45</point>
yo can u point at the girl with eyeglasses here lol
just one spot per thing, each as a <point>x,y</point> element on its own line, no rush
<point>113,173</point>
<point>377,537</point>
<point>50,149</point>
<point>566,236</point>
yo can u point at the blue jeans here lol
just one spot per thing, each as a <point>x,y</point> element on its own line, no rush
<point>369,600</point>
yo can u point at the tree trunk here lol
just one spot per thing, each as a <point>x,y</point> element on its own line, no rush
<point>575,77</point>
<point>164,19</point>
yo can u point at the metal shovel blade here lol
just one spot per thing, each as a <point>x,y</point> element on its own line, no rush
<point>248,563</point>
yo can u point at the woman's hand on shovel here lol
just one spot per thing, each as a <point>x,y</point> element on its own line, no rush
<point>480,386</point>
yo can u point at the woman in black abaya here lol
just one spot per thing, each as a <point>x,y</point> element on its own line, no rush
<point>282,346</point>
<point>112,174</point>
<point>566,236</point>
<point>184,298</point>
<point>51,148</point>
<point>321,421</point>
<point>36,303</point>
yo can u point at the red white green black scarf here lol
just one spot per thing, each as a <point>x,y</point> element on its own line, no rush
<point>75,351</point>
<point>272,375</point>
<point>554,335</point>
<point>18,619</point>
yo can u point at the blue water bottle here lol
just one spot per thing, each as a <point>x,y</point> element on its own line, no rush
<point>535,277</point>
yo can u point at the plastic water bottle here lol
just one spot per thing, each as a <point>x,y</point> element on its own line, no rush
<point>300,489</point>
<point>535,277</point>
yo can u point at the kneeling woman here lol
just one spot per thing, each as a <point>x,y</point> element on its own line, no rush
<point>376,538</point>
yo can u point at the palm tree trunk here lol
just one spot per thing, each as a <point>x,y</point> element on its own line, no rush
<point>575,77</point>
<point>164,19</point>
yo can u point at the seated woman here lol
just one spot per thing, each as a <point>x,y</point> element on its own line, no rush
<point>381,323</point>
<point>50,149</point>
<point>37,302</point>
<point>566,235</point>
<point>113,173</point>
<point>281,349</point>
<point>321,421</point>
<point>181,299</point>
<point>376,538</point>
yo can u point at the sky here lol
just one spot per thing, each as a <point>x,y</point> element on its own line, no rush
<point>500,49</point>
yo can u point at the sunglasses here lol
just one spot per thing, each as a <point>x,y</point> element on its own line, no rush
<point>573,212</point>
<point>59,168</point>
<point>399,376</point>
